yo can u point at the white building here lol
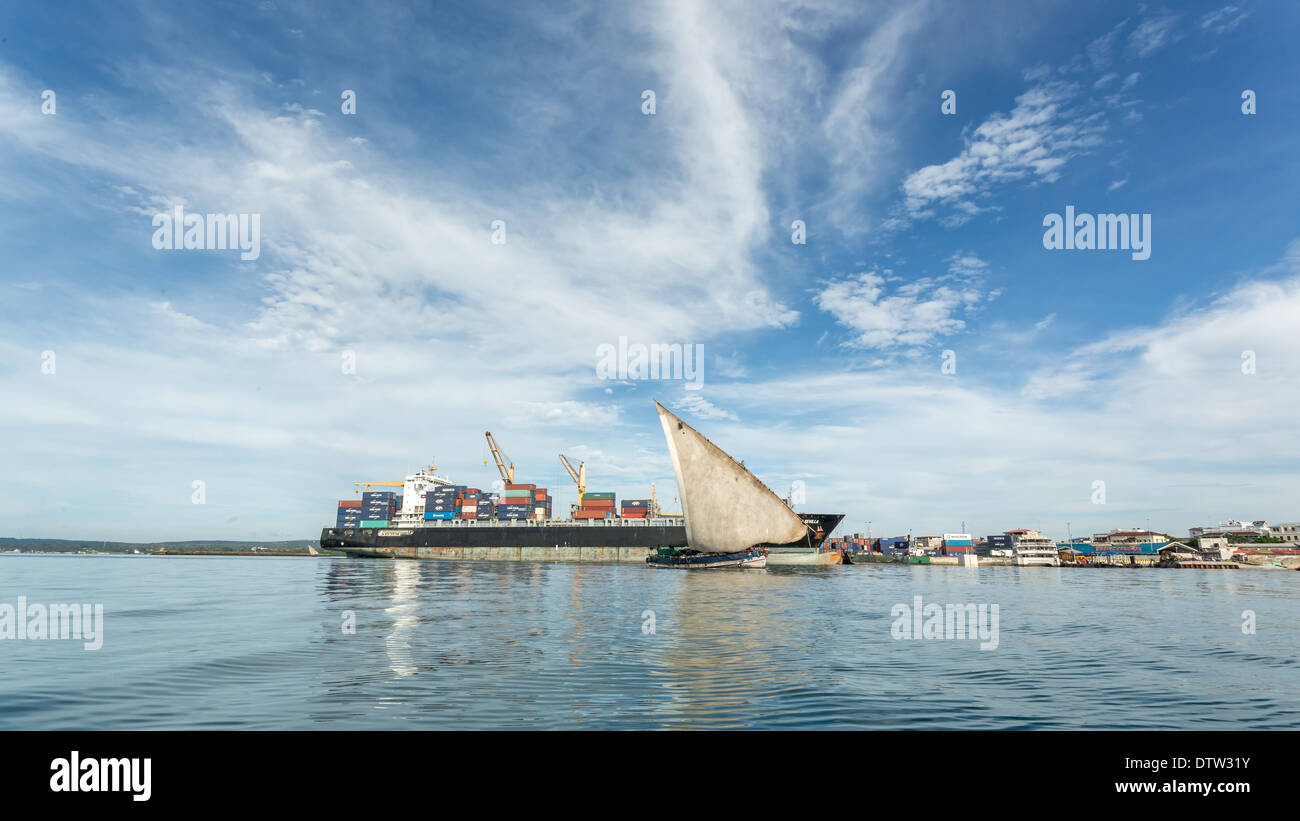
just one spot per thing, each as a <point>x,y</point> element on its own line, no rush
<point>1287,530</point>
<point>1134,536</point>
<point>1235,526</point>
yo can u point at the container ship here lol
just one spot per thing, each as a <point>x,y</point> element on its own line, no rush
<point>434,518</point>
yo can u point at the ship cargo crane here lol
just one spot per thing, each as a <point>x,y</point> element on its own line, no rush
<point>504,466</point>
<point>368,485</point>
<point>579,476</point>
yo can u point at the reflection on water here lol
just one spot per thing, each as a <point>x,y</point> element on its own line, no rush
<point>712,661</point>
<point>402,611</point>
<point>216,642</point>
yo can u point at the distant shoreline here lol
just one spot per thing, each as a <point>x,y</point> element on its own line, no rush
<point>296,547</point>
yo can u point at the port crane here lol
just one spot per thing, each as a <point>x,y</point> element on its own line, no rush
<point>578,475</point>
<point>504,466</point>
<point>368,485</point>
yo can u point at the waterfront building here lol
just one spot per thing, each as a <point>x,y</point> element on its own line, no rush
<point>1233,527</point>
<point>1290,531</point>
<point>1134,536</point>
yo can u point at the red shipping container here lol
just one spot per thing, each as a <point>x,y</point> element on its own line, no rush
<point>521,487</point>
<point>601,504</point>
<point>634,514</point>
<point>588,514</point>
<point>350,503</point>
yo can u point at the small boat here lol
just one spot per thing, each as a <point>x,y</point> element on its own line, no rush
<point>695,560</point>
<point>731,517</point>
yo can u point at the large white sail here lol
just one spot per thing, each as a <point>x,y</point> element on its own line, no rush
<point>727,508</point>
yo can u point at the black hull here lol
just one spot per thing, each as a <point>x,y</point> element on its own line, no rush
<point>529,535</point>
<point>528,540</point>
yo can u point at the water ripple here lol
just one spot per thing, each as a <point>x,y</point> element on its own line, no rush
<point>259,643</point>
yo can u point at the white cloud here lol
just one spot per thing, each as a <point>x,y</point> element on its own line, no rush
<point>911,314</point>
<point>568,412</point>
<point>729,366</point>
<point>1152,35</point>
<point>855,124</point>
<point>1223,20</point>
<point>1033,142</point>
<point>1102,50</point>
<point>697,405</point>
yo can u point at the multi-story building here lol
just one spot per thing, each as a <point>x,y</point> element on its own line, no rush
<point>1290,531</point>
<point>1133,536</point>
<point>1232,527</point>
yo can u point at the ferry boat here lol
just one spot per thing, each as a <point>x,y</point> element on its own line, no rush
<point>1030,548</point>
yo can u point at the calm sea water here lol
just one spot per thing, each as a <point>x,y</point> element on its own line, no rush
<point>258,643</point>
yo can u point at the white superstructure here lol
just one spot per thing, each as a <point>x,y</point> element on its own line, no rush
<point>1030,548</point>
<point>413,490</point>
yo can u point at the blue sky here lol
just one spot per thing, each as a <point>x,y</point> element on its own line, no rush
<point>823,360</point>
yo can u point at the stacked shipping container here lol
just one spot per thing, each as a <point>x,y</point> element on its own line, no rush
<point>634,508</point>
<point>524,502</point>
<point>349,514</point>
<point>444,502</point>
<point>378,507</point>
<point>595,506</point>
<point>954,543</point>
<point>472,504</point>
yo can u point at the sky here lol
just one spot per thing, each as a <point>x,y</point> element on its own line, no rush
<point>843,203</point>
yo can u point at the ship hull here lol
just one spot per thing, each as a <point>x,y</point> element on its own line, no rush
<point>795,556</point>
<point>529,541</point>
<point>755,559</point>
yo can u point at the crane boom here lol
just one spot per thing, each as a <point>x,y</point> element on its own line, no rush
<point>368,485</point>
<point>504,466</point>
<point>579,476</point>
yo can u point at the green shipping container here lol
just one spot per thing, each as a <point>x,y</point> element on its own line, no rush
<point>513,494</point>
<point>375,523</point>
<point>596,497</point>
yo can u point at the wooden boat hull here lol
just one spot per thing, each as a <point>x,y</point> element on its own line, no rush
<point>804,557</point>
<point>754,559</point>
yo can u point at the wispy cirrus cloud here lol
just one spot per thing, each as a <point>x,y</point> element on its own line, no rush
<point>1223,20</point>
<point>1032,143</point>
<point>1153,34</point>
